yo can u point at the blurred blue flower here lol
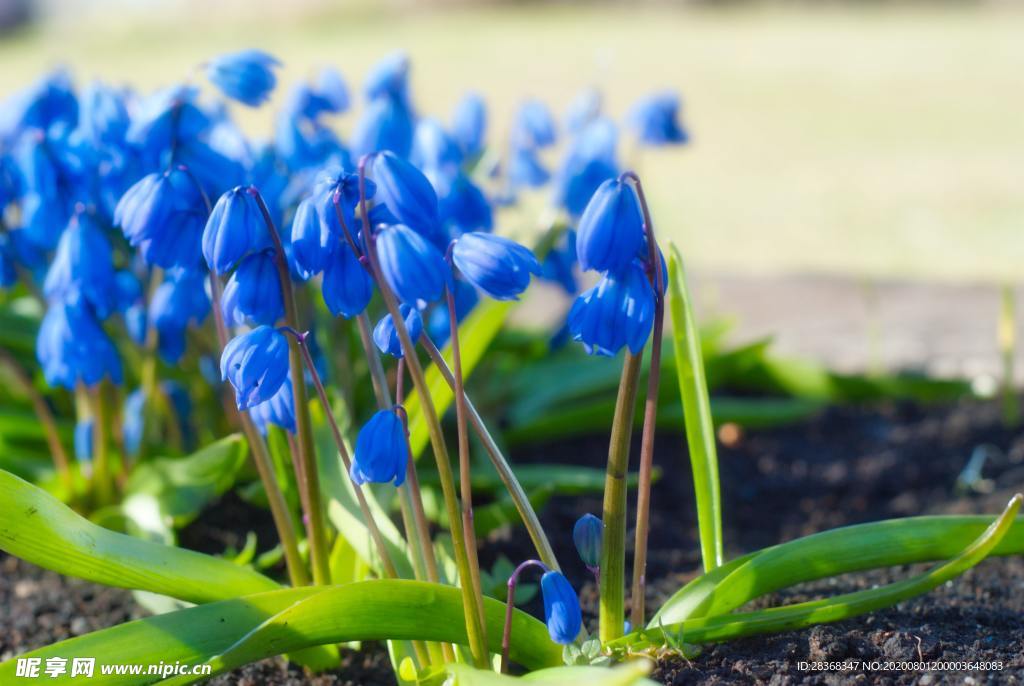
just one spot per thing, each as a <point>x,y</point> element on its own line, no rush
<point>584,108</point>
<point>386,124</point>
<point>164,215</point>
<point>331,88</point>
<point>256,365</point>
<point>560,262</point>
<point>412,267</point>
<point>103,119</point>
<point>498,266</point>
<point>533,125</point>
<point>469,124</point>
<point>562,611</point>
<point>278,410</point>
<point>73,348</point>
<point>84,439</point>
<point>253,293</point>
<point>590,160</point>
<point>49,102</point>
<point>8,262</point>
<point>180,300</point>
<point>234,229</point>
<point>389,78</point>
<point>610,233</point>
<point>247,76</point>
<point>83,264</point>
<point>433,150</point>
<point>463,207</point>
<point>386,336</point>
<point>409,196</point>
<point>587,535</point>
<point>655,119</point>
<point>525,169</point>
<point>382,450</point>
<point>133,422</point>
<point>165,120</point>
<point>617,312</point>
<point>347,287</point>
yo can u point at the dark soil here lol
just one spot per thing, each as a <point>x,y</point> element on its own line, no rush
<point>848,465</point>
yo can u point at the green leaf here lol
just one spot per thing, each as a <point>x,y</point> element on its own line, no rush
<point>567,479</point>
<point>830,553</point>
<point>628,674</point>
<point>236,632</point>
<point>183,486</point>
<point>700,429</point>
<point>40,529</point>
<point>715,628</point>
<point>475,334</point>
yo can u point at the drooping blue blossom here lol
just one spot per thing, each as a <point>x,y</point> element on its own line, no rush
<point>253,293</point>
<point>73,348</point>
<point>463,207</point>
<point>8,262</point>
<point>164,215</point>
<point>48,103</point>
<point>256,365</point>
<point>234,229</point>
<point>334,183</point>
<point>347,287</point>
<point>313,244</point>
<point>533,126</point>
<point>247,76</point>
<point>562,612</point>
<point>559,264</point>
<point>278,410</point>
<point>590,161</point>
<point>525,169</point>
<point>408,195</point>
<point>178,302</point>
<point>386,124</point>
<point>382,450</point>
<point>385,335</point>
<point>52,173</point>
<point>499,267</point>
<point>83,265</point>
<point>389,78</point>
<point>164,121</point>
<point>306,143</point>
<point>84,431</point>
<point>610,233</point>
<point>587,535</point>
<point>103,118</point>
<point>469,124</point>
<point>413,268</point>
<point>433,150</point>
<point>331,88</point>
<point>617,312</point>
<point>655,119</point>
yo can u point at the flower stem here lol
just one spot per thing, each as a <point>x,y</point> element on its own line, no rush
<point>315,526</point>
<point>377,376</point>
<point>613,545</point>
<point>471,601</point>
<point>101,474</point>
<point>501,464</point>
<point>510,603</point>
<point>643,502</point>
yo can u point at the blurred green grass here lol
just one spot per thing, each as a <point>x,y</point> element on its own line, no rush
<point>871,141</point>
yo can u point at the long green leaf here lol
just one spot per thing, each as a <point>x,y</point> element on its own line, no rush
<point>628,674</point>
<point>38,528</point>
<point>700,429</point>
<point>830,553</point>
<point>800,615</point>
<point>231,633</point>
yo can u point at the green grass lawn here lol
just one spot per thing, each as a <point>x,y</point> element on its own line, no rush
<point>884,142</point>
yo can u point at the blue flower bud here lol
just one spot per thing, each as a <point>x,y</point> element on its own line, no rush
<point>562,611</point>
<point>84,439</point>
<point>386,124</point>
<point>235,228</point>
<point>73,348</point>
<point>656,120</point>
<point>279,410</point>
<point>347,287</point>
<point>587,535</point>
<point>256,364</point>
<point>389,78</point>
<point>611,231</point>
<point>498,266</point>
<point>617,312</point>
<point>247,76</point>
<point>382,450</point>
<point>409,196</point>
<point>253,292</point>
<point>412,267</point>
<point>533,125</point>
<point>83,264</point>
<point>386,336</point>
<point>469,124</point>
<point>313,245</point>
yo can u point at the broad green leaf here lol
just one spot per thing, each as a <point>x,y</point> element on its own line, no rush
<point>236,632</point>
<point>830,553</point>
<point>700,429</point>
<point>40,529</point>
<point>629,674</point>
<point>475,335</point>
<point>725,627</point>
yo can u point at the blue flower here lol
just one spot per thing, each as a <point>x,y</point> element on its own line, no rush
<point>656,120</point>
<point>463,207</point>
<point>73,348</point>
<point>413,268</point>
<point>533,125</point>
<point>409,196</point>
<point>253,292</point>
<point>466,298</point>
<point>49,102</point>
<point>433,150</point>
<point>469,124</point>
<point>331,89</point>
<point>256,364</point>
<point>347,287</point>
<point>163,215</point>
<point>590,161</point>
<point>83,264</point>
<point>235,228</point>
<point>584,108</point>
<point>617,312</point>
<point>133,421</point>
<point>165,120</point>
<point>389,78</point>
<point>382,450</point>
<point>562,611</point>
<point>525,168</point>
<point>313,245</point>
<point>498,266</point>
<point>279,410</point>
<point>611,231</point>
<point>246,76</point>
<point>8,262</point>
<point>179,301</point>
<point>84,439</point>
<point>386,124</point>
<point>334,183</point>
<point>104,116</point>
<point>559,264</point>
<point>587,535</point>
<point>386,336</point>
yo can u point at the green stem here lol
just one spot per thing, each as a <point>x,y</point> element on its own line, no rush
<point>613,545</point>
<point>1007,345</point>
<point>103,486</point>
<point>316,525</point>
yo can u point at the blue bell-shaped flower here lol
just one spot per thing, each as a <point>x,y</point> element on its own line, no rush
<point>533,126</point>
<point>611,231</point>
<point>179,301</point>
<point>617,312</point>
<point>333,183</point>
<point>347,287</point>
<point>469,124</point>
<point>562,611</point>
<point>412,267</point>
<point>163,215</point>
<point>587,535</point>
<point>313,245</point>
<point>382,450</point>
<point>656,120</point>
<point>498,266</point>
<point>253,292</point>
<point>464,207</point>
<point>84,264</point>
<point>386,124</point>
<point>256,364</point>
<point>590,161</point>
<point>103,115</point>
<point>73,348</point>
<point>279,410</point>
<point>389,78</point>
<point>247,76</point>
<point>235,228</point>
<point>409,196</point>
<point>386,336</point>
<point>433,149</point>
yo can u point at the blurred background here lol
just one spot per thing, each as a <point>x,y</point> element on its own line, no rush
<point>867,157</point>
